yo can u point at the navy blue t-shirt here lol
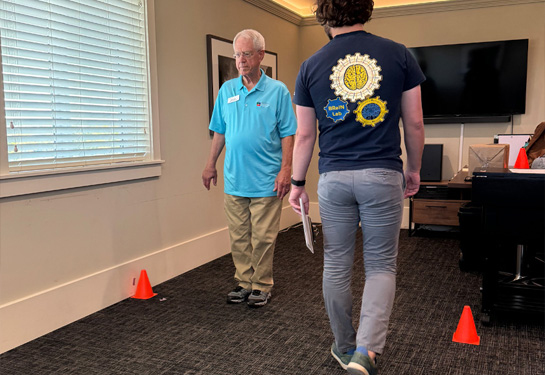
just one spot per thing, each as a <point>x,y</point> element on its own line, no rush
<point>355,83</point>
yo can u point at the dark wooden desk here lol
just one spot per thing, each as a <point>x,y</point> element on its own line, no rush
<point>438,203</point>
<point>459,180</point>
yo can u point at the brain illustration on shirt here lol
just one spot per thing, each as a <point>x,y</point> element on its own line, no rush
<point>355,77</point>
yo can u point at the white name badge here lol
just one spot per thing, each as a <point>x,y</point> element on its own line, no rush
<point>233,99</point>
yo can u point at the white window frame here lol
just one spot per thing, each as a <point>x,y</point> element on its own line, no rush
<point>22,183</point>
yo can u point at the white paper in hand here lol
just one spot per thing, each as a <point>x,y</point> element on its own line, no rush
<point>307,227</point>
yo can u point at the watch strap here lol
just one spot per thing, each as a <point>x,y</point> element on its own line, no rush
<point>298,182</point>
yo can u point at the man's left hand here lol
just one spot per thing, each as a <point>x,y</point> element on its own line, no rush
<point>282,184</point>
<point>412,180</point>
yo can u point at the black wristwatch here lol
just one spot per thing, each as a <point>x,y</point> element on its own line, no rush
<point>297,183</point>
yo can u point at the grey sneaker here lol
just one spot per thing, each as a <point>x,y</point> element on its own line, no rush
<point>238,295</point>
<point>361,364</point>
<point>343,359</point>
<point>258,298</point>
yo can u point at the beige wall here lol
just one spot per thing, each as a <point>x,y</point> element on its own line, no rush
<point>183,83</point>
<point>478,25</point>
<point>66,254</point>
<point>465,26</point>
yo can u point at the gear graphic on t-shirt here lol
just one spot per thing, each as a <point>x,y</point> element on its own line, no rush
<point>355,77</point>
<point>371,111</point>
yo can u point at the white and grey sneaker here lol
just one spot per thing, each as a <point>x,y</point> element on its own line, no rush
<point>238,295</point>
<point>258,298</point>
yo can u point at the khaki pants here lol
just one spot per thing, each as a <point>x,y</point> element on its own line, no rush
<point>253,228</point>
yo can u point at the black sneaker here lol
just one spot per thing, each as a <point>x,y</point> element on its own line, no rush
<point>342,358</point>
<point>238,295</point>
<point>258,298</point>
<point>361,364</point>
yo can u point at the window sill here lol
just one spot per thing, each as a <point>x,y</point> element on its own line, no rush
<point>17,184</point>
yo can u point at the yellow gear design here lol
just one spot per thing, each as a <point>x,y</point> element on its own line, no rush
<point>371,111</point>
<point>355,77</point>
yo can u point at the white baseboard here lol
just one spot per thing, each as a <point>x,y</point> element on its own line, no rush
<point>405,221</point>
<point>33,316</point>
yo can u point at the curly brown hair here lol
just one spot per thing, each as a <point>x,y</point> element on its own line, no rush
<point>337,13</point>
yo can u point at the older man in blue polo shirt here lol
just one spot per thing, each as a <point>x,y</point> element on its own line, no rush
<point>253,119</point>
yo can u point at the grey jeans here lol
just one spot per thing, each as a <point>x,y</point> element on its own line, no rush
<point>374,198</point>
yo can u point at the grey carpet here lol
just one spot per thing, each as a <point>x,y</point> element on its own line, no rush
<point>189,329</point>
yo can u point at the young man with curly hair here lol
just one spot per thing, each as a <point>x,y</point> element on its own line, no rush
<point>358,87</point>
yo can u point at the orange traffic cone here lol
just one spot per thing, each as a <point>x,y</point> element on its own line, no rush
<point>522,160</point>
<point>143,289</point>
<point>466,333</point>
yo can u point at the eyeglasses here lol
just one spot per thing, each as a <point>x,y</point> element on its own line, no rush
<point>246,54</point>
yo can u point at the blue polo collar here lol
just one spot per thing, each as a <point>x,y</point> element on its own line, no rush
<point>261,84</point>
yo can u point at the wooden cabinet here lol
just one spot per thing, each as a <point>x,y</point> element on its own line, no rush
<point>437,203</point>
<point>437,212</point>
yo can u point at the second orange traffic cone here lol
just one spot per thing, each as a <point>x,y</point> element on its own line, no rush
<point>522,159</point>
<point>143,289</point>
<point>466,333</point>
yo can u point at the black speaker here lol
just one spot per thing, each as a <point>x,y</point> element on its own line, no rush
<point>432,163</point>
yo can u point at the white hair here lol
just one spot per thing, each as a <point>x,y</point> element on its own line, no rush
<point>256,38</point>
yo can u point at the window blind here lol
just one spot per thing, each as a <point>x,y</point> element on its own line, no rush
<point>75,82</point>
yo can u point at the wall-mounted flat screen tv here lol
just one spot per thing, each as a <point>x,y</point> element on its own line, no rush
<point>473,82</point>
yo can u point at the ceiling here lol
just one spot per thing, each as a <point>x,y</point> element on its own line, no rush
<point>304,7</point>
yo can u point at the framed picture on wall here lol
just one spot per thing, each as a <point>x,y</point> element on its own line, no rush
<point>222,66</point>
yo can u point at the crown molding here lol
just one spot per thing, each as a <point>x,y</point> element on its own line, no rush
<point>278,10</point>
<point>395,11</point>
<point>446,6</point>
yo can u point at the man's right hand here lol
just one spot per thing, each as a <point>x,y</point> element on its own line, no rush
<point>296,193</point>
<point>209,174</point>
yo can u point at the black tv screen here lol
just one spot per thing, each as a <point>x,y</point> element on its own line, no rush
<point>473,82</point>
